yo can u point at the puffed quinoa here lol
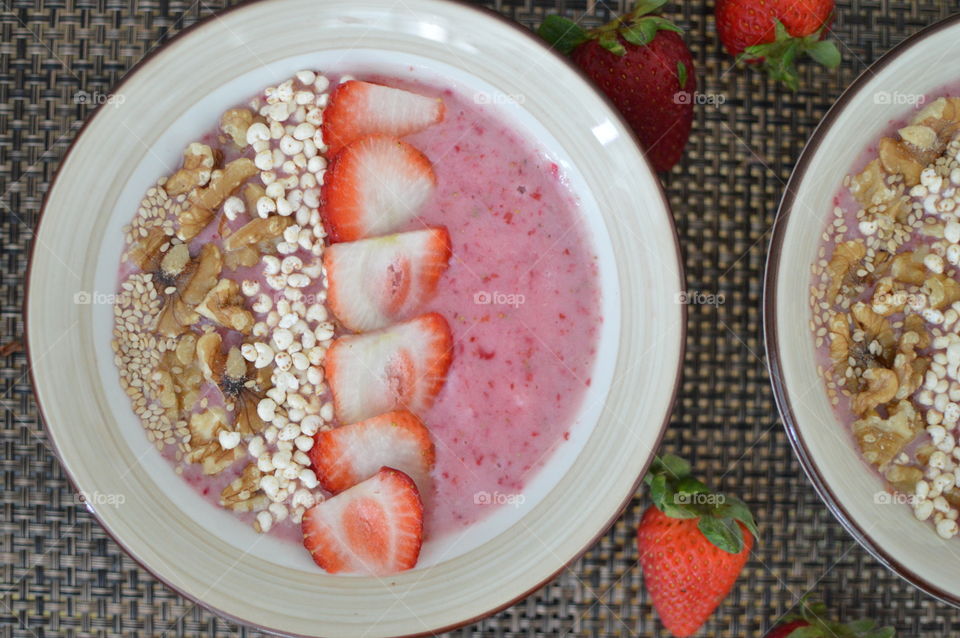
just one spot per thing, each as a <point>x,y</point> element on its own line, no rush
<point>308,478</point>
<point>310,424</point>
<point>229,440</point>
<point>264,521</point>
<point>947,528</point>
<point>266,408</point>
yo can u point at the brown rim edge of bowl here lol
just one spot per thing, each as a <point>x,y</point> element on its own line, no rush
<point>663,426</point>
<point>771,338</point>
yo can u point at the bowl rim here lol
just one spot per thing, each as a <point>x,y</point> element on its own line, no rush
<point>480,12</point>
<point>771,337</point>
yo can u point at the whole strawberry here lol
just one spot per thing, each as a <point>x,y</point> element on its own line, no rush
<point>811,622</point>
<point>693,543</point>
<point>641,63</point>
<point>774,33</point>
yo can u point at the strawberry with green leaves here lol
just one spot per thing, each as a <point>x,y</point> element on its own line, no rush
<point>693,543</point>
<point>775,33</point>
<point>643,65</point>
<point>811,622</point>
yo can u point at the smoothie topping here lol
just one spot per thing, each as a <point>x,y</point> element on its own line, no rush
<point>886,304</point>
<point>403,366</point>
<point>222,331</point>
<point>376,185</point>
<point>362,109</point>
<point>375,527</point>
<point>221,319</point>
<point>349,454</point>
<point>292,331</point>
<point>378,281</point>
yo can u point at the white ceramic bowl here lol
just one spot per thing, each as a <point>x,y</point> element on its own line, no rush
<point>204,552</point>
<point>920,66</point>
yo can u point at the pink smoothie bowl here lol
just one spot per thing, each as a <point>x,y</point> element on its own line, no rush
<point>205,553</point>
<point>895,86</point>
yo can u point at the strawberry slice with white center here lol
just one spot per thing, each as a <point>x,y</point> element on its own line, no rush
<point>375,282</point>
<point>403,366</point>
<point>375,186</point>
<point>344,456</point>
<point>374,528</point>
<point>358,109</point>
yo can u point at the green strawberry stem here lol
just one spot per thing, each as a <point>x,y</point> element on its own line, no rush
<point>780,55</point>
<point>676,493</point>
<point>637,27</point>
<point>814,613</point>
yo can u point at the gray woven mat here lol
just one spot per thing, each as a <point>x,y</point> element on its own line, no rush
<point>61,575</point>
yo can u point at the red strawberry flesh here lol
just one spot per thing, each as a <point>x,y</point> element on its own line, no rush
<point>359,109</point>
<point>378,281</point>
<point>403,366</point>
<point>373,528</point>
<point>347,455</point>
<point>375,186</point>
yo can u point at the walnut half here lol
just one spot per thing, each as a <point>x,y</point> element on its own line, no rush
<point>881,440</point>
<point>198,163</point>
<point>210,356</point>
<point>846,257</point>
<point>204,444</point>
<point>942,290</point>
<point>882,385</point>
<point>204,277</point>
<point>875,327</point>
<point>243,493</point>
<point>257,231</point>
<point>145,251</point>
<point>224,305</point>
<point>204,201</point>
<point>235,123</point>
<point>910,368</point>
<point>870,188</point>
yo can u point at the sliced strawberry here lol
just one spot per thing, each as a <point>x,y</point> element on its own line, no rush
<point>358,109</point>
<point>344,456</point>
<point>374,187</point>
<point>375,527</point>
<point>375,282</point>
<point>403,366</point>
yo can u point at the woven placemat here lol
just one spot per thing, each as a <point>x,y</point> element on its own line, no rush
<point>61,575</point>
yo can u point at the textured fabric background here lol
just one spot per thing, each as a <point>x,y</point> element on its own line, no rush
<point>60,574</point>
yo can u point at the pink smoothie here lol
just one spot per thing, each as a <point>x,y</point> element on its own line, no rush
<point>522,298</point>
